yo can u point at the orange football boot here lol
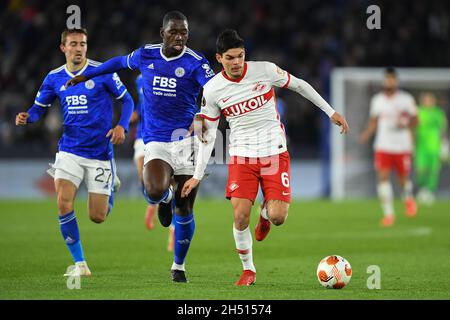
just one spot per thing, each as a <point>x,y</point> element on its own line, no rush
<point>262,228</point>
<point>388,221</point>
<point>247,278</point>
<point>410,207</point>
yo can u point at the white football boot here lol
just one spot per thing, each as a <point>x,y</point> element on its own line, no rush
<point>80,269</point>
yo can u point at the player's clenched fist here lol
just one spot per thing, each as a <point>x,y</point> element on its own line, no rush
<point>21,118</point>
<point>117,135</point>
<point>188,186</point>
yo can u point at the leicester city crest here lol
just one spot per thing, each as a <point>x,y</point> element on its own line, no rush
<point>179,72</point>
<point>90,84</point>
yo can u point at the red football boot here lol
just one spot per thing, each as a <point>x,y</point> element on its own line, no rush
<point>387,221</point>
<point>411,207</point>
<point>262,228</point>
<point>247,278</point>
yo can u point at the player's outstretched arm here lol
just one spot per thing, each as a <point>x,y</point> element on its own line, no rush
<point>110,66</point>
<point>117,134</point>
<point>32,115</point>
<point>208,138</point>
<point>306,90</point>
<point>369,131</point>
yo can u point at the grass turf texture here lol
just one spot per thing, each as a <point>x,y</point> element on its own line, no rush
<point>129,262</point>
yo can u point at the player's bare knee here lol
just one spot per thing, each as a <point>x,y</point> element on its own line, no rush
<point>97,216</point>
<point>98,212</point>
<point>65,205</point>
<point>241,220</point>
<point>155,192</point>
<point>278,216</point>
<point>278,220</point>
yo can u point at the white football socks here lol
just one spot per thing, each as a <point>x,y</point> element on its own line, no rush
<point>244,245</point>
<point>385,193</point>
<point>178,266</point>
<point>408,190</point>
<point>264,213</point>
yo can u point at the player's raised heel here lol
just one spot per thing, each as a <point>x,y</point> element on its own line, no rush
<point>262,229</point>
<point>178,276</point>
<point>80,269</point>
<point>247,278</point>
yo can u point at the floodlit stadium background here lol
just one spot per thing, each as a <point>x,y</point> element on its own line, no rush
<point>307,38</point>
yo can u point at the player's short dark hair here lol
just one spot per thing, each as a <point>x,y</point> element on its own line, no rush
<point>390,71</point>
<point>66,32</point>
<point>228,39</point>
<point>173,15</point>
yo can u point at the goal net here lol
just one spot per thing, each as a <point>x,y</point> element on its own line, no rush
<point>352,169</point>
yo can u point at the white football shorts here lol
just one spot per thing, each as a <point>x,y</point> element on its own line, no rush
<point>139,151</point>
<point>180,155</point>
<point>98,175</point>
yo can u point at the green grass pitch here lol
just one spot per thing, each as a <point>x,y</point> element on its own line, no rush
<point>129,262</point>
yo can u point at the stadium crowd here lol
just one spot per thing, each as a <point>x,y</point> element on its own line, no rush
<point>307,37</point>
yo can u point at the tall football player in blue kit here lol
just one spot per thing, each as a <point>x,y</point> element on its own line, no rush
<point>172,76</point>
<point>138,158</point>
<point>85,148</point>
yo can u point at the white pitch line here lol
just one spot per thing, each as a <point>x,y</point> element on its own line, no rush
<point>381,233</point>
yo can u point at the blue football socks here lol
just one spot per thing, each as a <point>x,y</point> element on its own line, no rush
<point>71,235</point>
<point>184,231</point>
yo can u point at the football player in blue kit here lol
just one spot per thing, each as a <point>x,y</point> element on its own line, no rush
<point>172,78</point>
<point>138,158</point>
<point>85,148</point>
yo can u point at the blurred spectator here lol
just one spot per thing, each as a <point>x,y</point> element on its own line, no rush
<point>301,36</point>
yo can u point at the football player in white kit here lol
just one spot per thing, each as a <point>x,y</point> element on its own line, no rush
<point>243,92</point>
<point>393,116</point>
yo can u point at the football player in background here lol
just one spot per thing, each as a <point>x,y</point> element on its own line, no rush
<point>85,148</point>
<point>393,117</point>
<point>431,146</point>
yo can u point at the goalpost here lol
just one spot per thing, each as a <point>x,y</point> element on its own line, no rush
<point>352,170</point>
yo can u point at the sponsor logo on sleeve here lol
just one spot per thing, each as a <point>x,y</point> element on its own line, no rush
<point>208,71</point>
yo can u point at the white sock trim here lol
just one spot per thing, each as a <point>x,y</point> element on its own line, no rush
<point>385,193</point>
<point>180,267</point>
<point>264,213</point>
<point>244,242</point>
<point>408,190</point>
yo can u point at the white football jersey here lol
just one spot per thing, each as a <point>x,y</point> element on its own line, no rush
<point>249,105</point>
<point>392,111</point>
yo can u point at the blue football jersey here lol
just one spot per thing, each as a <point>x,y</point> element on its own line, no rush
<point>170,89</point>
<point>139,106</point>
<point>87,110</point>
